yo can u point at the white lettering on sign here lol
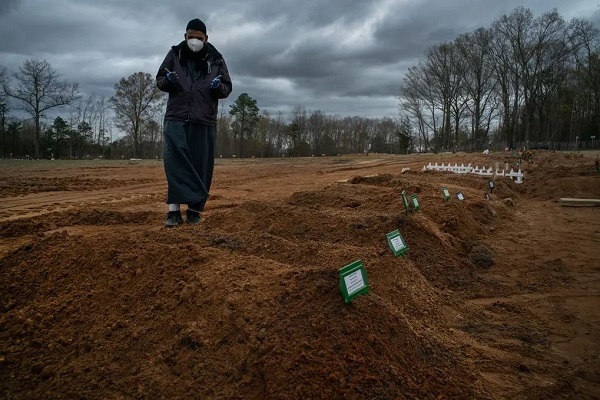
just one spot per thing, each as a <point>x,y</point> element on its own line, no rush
<point>354,281</point>
<point>446,193</point>
<point>397,243</point>
<point>491,184</point>
<point>415,202</point>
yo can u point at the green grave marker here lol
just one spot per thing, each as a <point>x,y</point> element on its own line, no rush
<point>405,201</point>
<point>397,243</point>
<point>353,281</point>
<point>415,202</point>
<point>445,193</point>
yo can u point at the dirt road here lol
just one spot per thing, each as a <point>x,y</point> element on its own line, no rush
<point>496,299</point>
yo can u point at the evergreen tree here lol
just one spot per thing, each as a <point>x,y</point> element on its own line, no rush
<point>245,111</point>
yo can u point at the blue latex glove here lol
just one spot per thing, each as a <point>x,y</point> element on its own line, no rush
<point>215,83</point>
<point>172,76</point>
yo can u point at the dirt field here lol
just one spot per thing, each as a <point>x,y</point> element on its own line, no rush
<point>495,299</point>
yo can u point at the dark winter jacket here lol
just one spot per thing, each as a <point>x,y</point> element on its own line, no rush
<point>191,99</point>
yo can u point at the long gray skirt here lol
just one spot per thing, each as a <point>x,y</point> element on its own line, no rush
<point>189,162</point>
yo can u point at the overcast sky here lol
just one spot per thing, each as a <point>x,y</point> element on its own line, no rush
<point>344,57</point>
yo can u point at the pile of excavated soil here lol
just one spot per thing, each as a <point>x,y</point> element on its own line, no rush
<point>100,303</point>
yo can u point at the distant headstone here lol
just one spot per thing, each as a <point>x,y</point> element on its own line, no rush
<point>415,202</point>
<point>445,193</point>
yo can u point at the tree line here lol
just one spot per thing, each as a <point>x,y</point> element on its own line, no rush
<point>88,128</point>
<point>524,81</point>
<point>246,133</point>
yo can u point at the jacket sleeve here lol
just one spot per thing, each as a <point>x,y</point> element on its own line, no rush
<point>161,76</point>
<point>226,86</point>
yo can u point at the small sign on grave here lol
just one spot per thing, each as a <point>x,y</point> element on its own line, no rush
<point>353,281</point>
<point>460,196</point>
<point>405,202</point>
<point>397,243</point>
<point>445,193</point>
<point>491,183</point>
<point>415,202</point>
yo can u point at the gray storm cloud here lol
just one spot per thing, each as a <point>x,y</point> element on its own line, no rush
<point>347,58</point>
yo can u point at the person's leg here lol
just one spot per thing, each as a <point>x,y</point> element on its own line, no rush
<point>184,185</point>
<point>202,141</point>
<point>181,177</point>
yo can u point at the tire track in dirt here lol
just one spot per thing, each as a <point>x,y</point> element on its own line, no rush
<point>34,205</point>
<point>239,187</point>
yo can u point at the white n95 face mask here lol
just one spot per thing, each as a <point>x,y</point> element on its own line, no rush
<point>195,45</point>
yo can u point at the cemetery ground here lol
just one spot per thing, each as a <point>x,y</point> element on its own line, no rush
<point>495,299</point>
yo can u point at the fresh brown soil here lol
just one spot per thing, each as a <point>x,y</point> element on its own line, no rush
<point>495,299</point>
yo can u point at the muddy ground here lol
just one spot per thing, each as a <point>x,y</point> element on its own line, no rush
<point>496,298</point>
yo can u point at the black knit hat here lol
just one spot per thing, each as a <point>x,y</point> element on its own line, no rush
<point>196,25</point>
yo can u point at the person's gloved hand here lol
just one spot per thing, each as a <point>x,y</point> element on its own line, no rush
<point>215,83</point>
<point>172,76</point>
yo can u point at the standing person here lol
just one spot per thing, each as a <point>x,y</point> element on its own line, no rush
<point>196,77</point>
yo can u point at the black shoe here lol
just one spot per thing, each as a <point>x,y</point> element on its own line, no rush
<point>173,218</point>
<point>192,217</point>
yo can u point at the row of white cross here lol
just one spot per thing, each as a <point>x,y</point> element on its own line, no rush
<point>517,176</point>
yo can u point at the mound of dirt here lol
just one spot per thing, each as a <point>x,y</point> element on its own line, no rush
<point>100,301</point>
<point>245,306</point>
<point>153,314</point>
<point>555,175</point>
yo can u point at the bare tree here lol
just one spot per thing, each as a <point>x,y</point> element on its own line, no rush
<point>478,81</point>
<point>224,142</point>
<point>536,51</point>
<point>316,126</point>
<point>278,132</point>
<point>383,136</point>
<point>150,134</point>
<point>299,119</point>
<point>85,115</point>
<point>585,105</point>
<point>133,102</point>
<point>444,73</point>
<point>102,110</point>
<point>508,83</point>
<point>3,109</point>
<point>459,94</point>
<point>262,141</point>
<point>415,99</point>
<point>39,88</point>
